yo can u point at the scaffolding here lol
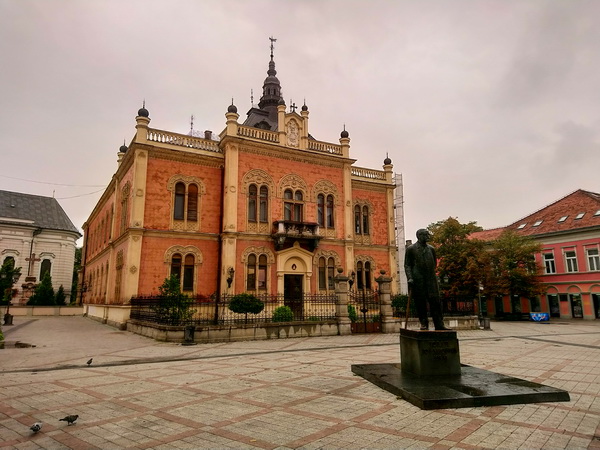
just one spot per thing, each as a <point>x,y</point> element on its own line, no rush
<point>402,286</point>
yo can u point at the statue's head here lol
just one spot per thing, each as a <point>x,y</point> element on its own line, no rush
<point>423,235</point>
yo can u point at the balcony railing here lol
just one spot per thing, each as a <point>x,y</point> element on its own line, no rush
<point>287,231</point>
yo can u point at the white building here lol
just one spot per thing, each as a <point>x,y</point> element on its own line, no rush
<point>37,233</point>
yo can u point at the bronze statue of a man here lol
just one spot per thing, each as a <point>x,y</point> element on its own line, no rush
<point>420,263</point>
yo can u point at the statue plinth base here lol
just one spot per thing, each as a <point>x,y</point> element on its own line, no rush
<point>429,353</point>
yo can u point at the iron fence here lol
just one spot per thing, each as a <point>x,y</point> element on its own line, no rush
<point>450,308</point>
<point>205,310</point>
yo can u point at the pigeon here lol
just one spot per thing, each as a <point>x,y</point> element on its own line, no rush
<point>36,427</point>
<point>89,363</point>
<point>70,419</point>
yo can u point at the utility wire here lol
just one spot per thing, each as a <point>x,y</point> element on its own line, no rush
<point>82,195</point>
<point>54,184</point>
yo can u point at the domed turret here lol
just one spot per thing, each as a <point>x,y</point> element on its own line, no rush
<point>143,112</point>
<point>387,161</point>
<point>232,108</point>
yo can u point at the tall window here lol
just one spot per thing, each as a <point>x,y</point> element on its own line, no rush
<point>325,210</point>
<point>263,210</point>
<point>176,265</point>
<point>363,275</point>
<point>593,259</point>
<point>326,274</point>
<point>549,265</point>
<point>45,268</point>
<point>256,273</point>
<point>258,203</point>
<point>571,261</point>
<point>124,207</point>
<point>184,268</point>
<point>293,205</point>
<point>361,220</point>
<point>188,273</point>
<point>252,200</point>
<point>185,204</point>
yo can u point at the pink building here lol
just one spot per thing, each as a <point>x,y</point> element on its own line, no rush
<point>569,231</point>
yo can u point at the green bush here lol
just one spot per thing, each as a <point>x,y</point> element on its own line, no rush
<point>61,298</point>
<point>246,303</point>
<point>44,293</point>
<point>283,314</point>
<point>173,307</point>
<point>399,302</point>
<point>352,313</point>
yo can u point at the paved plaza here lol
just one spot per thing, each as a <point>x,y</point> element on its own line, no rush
<point>287,393</point>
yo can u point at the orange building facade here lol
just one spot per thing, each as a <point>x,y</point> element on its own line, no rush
<point>569,232</point>
<point>261,208</point>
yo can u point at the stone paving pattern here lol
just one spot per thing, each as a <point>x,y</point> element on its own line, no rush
<point>288,393</point>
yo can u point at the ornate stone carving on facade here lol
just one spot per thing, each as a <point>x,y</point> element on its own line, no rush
<point>184,250</point>
<point>258,251</point>
<point>126,190</point>
<point>325,187</point>
<point>133,269</point>
<point>292,133</point>
<point>258,177</point>
<point>187,180</point>
<point>364,259</point>
<point>327,254</point>
<point>292,181</point>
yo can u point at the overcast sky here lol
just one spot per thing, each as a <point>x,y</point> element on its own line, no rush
<point>489,109</point>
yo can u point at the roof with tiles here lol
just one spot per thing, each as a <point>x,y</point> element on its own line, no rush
<point>34,210</point>
<point>578,210</point>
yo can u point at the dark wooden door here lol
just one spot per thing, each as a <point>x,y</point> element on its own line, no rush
<point>292,294</point>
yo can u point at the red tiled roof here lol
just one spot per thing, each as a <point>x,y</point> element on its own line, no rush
<point>560,216</point>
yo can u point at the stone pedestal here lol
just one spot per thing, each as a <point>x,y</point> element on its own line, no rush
<point>429,353</point>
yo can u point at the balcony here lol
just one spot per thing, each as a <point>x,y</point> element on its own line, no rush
<point>287,232</point>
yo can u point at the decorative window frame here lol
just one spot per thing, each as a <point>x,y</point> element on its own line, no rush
<point>326,188</point>
<point>337,263</point>
<point>260,178</point>
<point>185,225</point>
<point>363,239</point>
<point>364,259</point>
<point>125,193</point>
<point>258,251</point>
<point>183,251</point>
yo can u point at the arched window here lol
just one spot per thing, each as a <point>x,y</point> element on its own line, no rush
<point>45,268</point>
<point>251,273</point>
<point>188,273</point>
<point>256,272</point>
<point>178,212</point>
<point>264,203</point>
<point>192,203</point>
<point>10,259</point>
<point>363,275</point>
<point>330,221</point>
<point>176,265</point>
<point>361,220</point>
<point>321,210</point>
<point>293,205</point>
<point>252,194</point>
<point>326,274</point>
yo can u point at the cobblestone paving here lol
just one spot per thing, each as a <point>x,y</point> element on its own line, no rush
<point>280,394</point>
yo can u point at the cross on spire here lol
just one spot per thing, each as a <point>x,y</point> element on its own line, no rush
<point>273,40</point>
<point>293,106</point>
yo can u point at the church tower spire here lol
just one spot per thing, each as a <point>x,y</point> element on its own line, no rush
<point>271,87</point>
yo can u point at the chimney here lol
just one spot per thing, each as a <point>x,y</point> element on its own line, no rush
<point>207,134</point>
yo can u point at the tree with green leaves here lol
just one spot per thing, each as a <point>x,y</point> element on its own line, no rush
<point>246,303</point>
<point>460,267</point>
<point>174,307</point>
<point>513,269</point>
<point>76,269</point>
<point>44,293</point>
<point>61,298</point>
<point>8,275</point>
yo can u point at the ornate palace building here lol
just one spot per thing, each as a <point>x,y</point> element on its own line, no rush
<point>263,207</point>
